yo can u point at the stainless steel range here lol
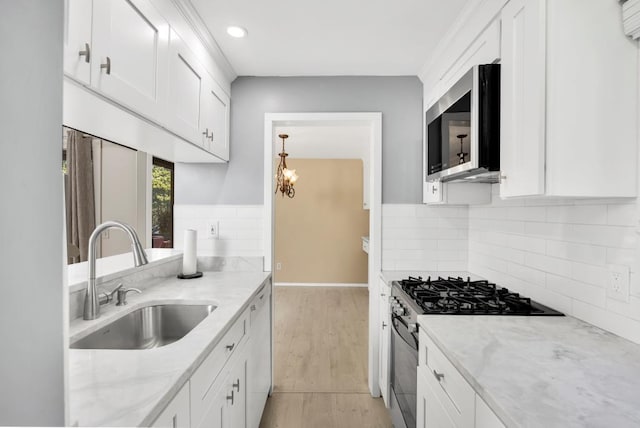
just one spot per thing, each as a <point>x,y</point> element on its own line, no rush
<point>442,296</point>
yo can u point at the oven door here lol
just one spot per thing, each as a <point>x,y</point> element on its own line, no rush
<point>404,366</point>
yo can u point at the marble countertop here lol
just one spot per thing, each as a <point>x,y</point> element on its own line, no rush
<point>132,387</point>
<point>543,371</point>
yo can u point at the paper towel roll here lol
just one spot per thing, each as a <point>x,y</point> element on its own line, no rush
<point>189,261</point>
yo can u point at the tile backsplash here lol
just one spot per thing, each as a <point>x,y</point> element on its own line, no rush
<point>240,228</point>
<point>558,252</point>
<point>423,238</point>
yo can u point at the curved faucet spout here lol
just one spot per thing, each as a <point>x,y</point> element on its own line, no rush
<point>91,303</point>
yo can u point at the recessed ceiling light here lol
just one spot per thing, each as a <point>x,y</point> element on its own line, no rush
<point>237,32</point>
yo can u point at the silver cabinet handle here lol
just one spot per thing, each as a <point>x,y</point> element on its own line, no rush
<point>253,308</point>
<point>384,324</point>
<point>230,347</point>
<point>174,422</point>
<point>211,136</point>
<point>106,66</point>
<point>383,295</point>
<point>230,397</point>
<point>439,376</point>
<point>86,53</point>
<point>434,189</point>
<point>236,385</point>
<point>501,178</point>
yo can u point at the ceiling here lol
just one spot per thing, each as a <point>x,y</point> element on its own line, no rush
<point>329,37</point>
<point>325,142</point>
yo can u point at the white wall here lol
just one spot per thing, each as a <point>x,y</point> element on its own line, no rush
<point>240,227</point>
<point>557,251</point>
<point>33,303</point>
<point>421,237</point>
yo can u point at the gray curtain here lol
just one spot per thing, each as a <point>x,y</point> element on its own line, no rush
<point>80,201</point>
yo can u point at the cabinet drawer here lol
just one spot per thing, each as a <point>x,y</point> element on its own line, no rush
<point>205,376</point>
<point>455,394</point>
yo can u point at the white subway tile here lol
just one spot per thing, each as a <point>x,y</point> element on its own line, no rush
<point>630,310</point>
<point>622,215</point>
<point>585,253</point>
<point>527,213</point>
<point>545,230</point>
<point>249,211</point>
<point>525,273</point>
<point>527,243</point>
<point>577,290</point>
<point>589,273</point>
<point>548,264</point>
<point>452,244</point>
<point>578,214</point>
<point>608,236</point>
<point>620,256</point>
<point>452,265</point>
<point>417,265</point>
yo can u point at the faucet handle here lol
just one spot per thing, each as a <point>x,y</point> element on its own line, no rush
<point>122,295</point>
<point>106,297</point>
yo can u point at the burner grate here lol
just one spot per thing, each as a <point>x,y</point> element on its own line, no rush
<point>458,296</point>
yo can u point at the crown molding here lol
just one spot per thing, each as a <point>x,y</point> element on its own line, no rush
<point>193,18</point>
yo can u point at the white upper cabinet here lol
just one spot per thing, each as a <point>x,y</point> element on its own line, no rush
<point>569,100</point>
<point>216,119</point>
<point>77,40</point>
<point>130,43</point>
<point>522,146</point>
<point>185,94</point>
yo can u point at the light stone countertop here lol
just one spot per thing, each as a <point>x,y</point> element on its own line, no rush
<point>132,387</point>
<point>543,371</point>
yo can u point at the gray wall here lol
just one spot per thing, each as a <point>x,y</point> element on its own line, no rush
<point>241,181</point>
<point>31,302</point>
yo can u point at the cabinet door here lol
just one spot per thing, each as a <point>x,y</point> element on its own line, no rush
<point>238,387</point>
<point>522,137</point>
<point>384,339</point>
<point>176,414</point>
<point>130,41</point>
<point>186,86</point>
<point>217,413</point>
<point>259,359</point>
<point>77,39</point>
<point>429,412</point>
<point>216,119</point>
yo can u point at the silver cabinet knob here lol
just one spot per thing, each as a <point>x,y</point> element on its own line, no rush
<point>86,53</point>
<point>106,66</point>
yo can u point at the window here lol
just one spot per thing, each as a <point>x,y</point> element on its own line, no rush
<point>162,204</point>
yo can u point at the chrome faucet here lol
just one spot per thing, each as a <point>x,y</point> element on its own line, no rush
<point>91,298</point>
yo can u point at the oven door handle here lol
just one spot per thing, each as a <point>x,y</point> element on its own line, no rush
<point>404,323</point>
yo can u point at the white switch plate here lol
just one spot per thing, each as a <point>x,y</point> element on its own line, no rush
<point>213,229</point>
<point>618,283</point>
<point>278,266</point>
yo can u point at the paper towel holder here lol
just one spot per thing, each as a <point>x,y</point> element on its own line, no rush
<point>192,276</point>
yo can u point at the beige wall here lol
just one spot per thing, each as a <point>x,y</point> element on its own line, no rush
<point>318,233</point>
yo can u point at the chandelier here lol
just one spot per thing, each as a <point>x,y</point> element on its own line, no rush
<point>285,178</point>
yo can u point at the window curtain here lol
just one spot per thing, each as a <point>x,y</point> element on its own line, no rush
<point>80,201</point>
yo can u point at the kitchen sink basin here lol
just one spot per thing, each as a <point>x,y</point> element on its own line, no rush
<point>147,327</point>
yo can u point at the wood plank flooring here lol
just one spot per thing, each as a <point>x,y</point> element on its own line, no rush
<point>320,361</point>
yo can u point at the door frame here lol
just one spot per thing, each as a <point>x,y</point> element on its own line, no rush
<point>374,121</point>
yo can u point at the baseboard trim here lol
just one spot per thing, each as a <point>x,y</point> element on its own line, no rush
<point>319,284</point>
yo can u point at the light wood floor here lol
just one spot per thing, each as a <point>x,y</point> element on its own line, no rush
<point>320,361</point>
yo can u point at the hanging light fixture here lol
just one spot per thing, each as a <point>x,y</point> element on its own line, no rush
<point>285,178</point>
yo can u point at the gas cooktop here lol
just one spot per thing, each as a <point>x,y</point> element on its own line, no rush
<point>458,296</point>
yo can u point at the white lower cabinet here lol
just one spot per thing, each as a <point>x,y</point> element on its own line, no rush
<point>177,413</point>
<point>259,358</point>
<point>444,398</point>
<point>384,340</point>
<point>230,387</point>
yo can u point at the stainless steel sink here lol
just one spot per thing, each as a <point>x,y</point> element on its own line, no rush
<point>147,327</point>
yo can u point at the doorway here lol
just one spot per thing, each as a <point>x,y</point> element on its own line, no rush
<point>373,122</point>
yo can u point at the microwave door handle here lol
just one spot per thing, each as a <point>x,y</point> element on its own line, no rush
<point>395,317</point>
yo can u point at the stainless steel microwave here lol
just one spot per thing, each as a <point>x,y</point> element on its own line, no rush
<point>463,129</point>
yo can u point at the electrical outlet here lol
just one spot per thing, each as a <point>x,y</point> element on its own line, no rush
<point>618,283</point>
<point>213,229</point>
<point>278,266</point>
